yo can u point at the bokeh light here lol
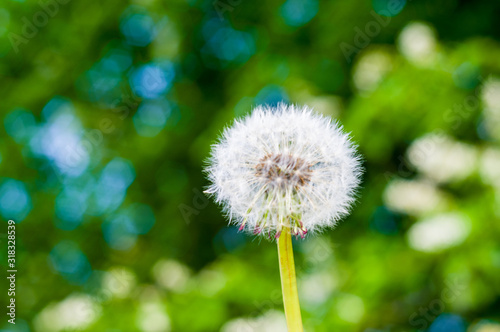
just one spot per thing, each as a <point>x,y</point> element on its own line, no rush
<point>20,124</point>
<point>119,232</point>
<point>152,117</point>
<point>111,187</point>
<point>15,201</point>
<point>224,45</point>
<point>299,12</point>
<point>70,206</point>
<point>138,27</point>
<point>152,80</point>
<point>439,232</point>
<point>388,8</point>
<point>448,323</point>
<point>70,262</point>
<point>60,139</point>
<point>103,83</point>
<point>271,95</point>
<point>122,228</point>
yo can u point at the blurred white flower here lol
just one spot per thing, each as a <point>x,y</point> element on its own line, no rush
<point>350,308</point>
<point>491,98</point>
<point>490,93</point>
<point>315,289</point>
<point>439,232</point>
<point>76,312</point>
<point>119,282</point>
<point>371,68</point>
<point>485,326</point>
<point>441,158</point>
<point>210,281</point>
<point>489,168</point>
<point>152,317</point>
<point>171,275</point>
<point>271,321</point>
<point>413,197</point>
<point>327,105</point>
<point>417,42</point>
<point>284,166</point>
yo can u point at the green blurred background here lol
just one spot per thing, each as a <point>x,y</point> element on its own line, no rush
<point>108,112</point>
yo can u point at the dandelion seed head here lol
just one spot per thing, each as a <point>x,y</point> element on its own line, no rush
<point>284,166</point>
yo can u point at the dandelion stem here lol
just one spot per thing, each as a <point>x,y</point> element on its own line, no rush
<point>289,281</point>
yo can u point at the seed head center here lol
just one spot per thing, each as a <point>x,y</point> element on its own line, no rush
<point>284,171</point>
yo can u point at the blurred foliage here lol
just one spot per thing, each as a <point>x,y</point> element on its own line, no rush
<point>110,107</point>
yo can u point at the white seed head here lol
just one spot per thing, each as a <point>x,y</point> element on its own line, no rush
<point>284,166</point>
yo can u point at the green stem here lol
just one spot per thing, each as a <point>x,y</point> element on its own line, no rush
<point>289,282</point>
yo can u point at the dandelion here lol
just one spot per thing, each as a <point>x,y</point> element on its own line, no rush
<point>284,171</point>
<point>284,167</point>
